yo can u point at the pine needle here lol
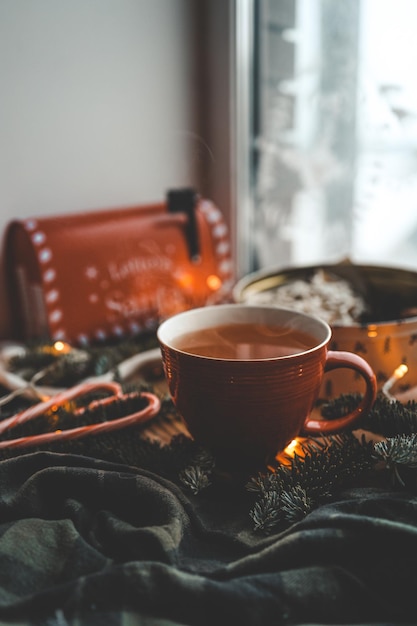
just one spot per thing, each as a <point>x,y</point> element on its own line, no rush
<point>309,479</point>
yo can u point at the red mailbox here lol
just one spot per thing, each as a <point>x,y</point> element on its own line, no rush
<point>101,275</point>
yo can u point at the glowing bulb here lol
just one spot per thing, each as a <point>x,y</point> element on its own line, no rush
<point>295,447</point>
<point>398,373</point>
<point>401,371</point>
<point>291,445</point>
<point>61,347</point>
<point>213,282</point>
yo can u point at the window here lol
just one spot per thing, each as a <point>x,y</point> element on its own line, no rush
<point>332,167</point>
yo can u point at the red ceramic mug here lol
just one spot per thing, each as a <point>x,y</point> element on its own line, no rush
<point>245,378</point>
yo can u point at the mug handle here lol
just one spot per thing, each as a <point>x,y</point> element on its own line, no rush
<point>335,360</point>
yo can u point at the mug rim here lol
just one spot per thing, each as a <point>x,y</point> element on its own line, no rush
<point>164,325</point>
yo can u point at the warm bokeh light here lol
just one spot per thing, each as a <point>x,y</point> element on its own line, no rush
<point>185,279</point>
<point>401,371</point>
<point>398,373</point>
<point>290,449</point>
<point>372,331</point>
<point>213,282</point>
<point>61,347</point>
<point>295,447</point>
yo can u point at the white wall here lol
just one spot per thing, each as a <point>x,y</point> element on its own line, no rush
<point>96,105</point>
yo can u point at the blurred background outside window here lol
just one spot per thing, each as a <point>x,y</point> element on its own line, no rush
<point>333,132</point>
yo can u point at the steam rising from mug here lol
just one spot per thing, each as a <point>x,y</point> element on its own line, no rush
<point>244,341</point>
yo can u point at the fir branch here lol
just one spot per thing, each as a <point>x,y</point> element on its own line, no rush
<point>401,449</point>
<point>296,504</point>
<point>63,418</point>
<point>387,417</point>
<point>194,478</point>
<point>340,406</point>
<point>266,512</point>
<point>390,418</point>
<point>197,475</point>
<point>309,479</point>
<point>263,483</point>
<point>324,463</point>
<point>395,452</point>
<point>65,370</point>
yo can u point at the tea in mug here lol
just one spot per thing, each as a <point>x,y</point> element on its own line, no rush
<point>245,341</point>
